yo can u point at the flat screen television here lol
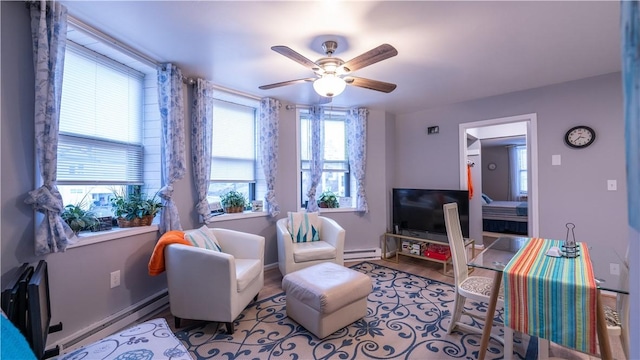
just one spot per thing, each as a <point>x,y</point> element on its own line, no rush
<point>14,297</point>
<point>419,213</point>
<point>39,314</point>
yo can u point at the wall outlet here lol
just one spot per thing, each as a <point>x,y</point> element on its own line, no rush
<point>115,279</point>
<point>612,185</point>
<point>614,269</point>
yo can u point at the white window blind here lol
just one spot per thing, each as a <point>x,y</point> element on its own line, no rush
<point>522,169</point>
<point>335,143</point>
<point>233,151</point>
<point>335,173</point>
<point>100,121</point>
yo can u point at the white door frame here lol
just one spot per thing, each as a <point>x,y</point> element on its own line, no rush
<point>532,159</point>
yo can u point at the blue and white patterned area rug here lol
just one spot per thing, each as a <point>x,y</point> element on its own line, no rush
<point>407,318</point>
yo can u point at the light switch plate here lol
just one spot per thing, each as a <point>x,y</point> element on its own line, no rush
<point>612,185</point>
<point>614,268</point>
<point>115,279</point>
<point>556,160</point>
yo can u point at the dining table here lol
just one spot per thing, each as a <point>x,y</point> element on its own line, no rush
<point>524,263</point>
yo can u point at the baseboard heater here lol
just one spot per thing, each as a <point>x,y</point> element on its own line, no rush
<point>362,254</point>
<point>118,321</point>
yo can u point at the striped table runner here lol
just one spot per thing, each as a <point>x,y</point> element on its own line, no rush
<point>552,298</point>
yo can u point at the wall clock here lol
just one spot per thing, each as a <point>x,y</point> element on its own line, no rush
<point>579,137</point>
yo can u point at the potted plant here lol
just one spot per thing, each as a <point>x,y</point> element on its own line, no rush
<point>328,200</point>
<point>233,202</point>
<point>135,209</point>
<point>79,219</point>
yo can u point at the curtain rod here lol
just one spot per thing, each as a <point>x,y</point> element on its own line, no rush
<point>325,106</point>
<point>235,92</point>
<point>99,35</point>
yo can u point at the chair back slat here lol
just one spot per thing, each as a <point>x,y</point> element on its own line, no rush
<point>456,242</point>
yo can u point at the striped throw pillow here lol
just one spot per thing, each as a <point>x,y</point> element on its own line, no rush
<point>203,238</point>
<point>304,227</point>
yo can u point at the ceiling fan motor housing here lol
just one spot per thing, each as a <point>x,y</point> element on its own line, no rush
<point>329,47</point>
<point>330,65</point>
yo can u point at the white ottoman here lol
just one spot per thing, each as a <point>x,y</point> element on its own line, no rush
<point>326,297</point>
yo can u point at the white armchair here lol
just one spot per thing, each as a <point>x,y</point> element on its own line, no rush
<point>215,286</point>
<point>295,256</point>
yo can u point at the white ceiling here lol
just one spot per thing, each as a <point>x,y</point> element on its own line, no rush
<point>447,51</point>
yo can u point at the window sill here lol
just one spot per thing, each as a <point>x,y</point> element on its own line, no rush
<point>236,216</point>
<point>113,234</point>
<point>332,210</point>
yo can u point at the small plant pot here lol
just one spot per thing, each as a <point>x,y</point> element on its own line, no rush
<point>323,205</point>
<point>143,221</point>
<point>235,209</point>
<point>104,223</point>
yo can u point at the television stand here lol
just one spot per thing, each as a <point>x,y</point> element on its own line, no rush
<point>467,242</point>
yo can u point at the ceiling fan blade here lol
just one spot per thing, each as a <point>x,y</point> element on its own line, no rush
<point>284,83</point>
<point>293,55</point>
<point>372,56</point>
<point>370,84</point>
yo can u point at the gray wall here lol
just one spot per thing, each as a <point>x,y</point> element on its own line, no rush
<point>495,183</point>
<point>400,154</point>
<point>573,192</point>
<point>80,292</point>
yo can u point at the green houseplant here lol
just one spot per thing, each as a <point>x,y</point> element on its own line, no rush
<point>135,209</point>
<point>328,199</point>
<point>233,202</point>
<point>78,218</point>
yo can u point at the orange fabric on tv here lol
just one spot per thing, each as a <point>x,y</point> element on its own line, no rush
<point>469,181</point>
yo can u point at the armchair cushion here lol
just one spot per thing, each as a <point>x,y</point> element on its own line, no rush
<point>246,271</point>
<point>317,250</point>
<point>304,227</point>
<point>203,238</point>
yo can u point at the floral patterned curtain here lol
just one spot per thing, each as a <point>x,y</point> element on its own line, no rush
<point>317,155</point>
<point>201,134</point>
<point>269,122</point>
<point>49,34</point>
<point>173,167</point>
<point>357,147</point>
<point>630,16</point>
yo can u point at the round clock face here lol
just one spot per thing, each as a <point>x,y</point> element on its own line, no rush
<point>580,136</point>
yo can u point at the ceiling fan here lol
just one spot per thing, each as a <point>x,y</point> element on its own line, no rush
<point>332,74</point>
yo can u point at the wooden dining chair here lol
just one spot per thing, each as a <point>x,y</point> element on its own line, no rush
<point>618,321</point>
<point>476,288</point>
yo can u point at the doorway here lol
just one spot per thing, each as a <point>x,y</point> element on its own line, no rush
<point>528,123</point>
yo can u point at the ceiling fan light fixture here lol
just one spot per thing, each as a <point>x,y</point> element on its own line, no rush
<point>329,85</point>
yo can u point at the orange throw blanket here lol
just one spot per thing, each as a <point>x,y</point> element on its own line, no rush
<point>156,263</point>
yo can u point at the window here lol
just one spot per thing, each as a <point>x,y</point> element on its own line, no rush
<point>521,152</point>
<point>101,145</point>
<point>335,174</point>
<point>234,150</point>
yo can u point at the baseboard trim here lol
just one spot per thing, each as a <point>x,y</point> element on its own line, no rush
<point>115,322</point>
<point>362,254</point>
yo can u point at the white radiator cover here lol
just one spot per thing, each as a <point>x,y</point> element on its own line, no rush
<point>114,323</point>
<point>362,254</point>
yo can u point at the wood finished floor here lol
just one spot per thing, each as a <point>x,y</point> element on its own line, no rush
<point>431,270</point>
